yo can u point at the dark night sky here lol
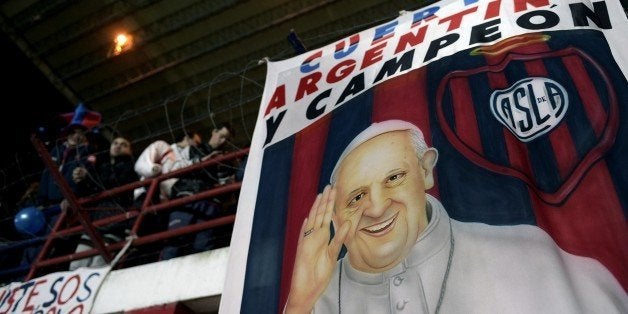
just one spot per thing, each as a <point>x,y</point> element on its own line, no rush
<point>29,101</point>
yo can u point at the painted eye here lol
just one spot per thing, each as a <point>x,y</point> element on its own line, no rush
<point>395,178</point>
<point>356,199</point>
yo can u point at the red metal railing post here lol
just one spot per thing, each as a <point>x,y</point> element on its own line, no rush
<point>147,206</point>
<point>67,192</point>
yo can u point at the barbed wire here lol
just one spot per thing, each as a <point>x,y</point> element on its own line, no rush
<point>315,41</point>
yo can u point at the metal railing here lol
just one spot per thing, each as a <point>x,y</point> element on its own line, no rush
<point>79,208</point>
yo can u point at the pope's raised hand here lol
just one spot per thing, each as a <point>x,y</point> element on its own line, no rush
<point>316,255</point>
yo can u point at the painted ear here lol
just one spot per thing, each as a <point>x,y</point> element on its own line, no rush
<point>428,162</point>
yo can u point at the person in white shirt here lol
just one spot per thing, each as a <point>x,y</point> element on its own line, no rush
<point>160,157</point>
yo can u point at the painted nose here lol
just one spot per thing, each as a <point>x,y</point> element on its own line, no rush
<point>378,204</point>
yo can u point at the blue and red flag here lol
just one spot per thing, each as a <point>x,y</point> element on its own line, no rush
<point>529,119</point>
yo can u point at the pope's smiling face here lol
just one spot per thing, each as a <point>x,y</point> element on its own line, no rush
<point>381,189</point>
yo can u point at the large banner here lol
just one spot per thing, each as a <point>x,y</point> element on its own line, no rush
<point>61,292</point>
<point>469,156</point>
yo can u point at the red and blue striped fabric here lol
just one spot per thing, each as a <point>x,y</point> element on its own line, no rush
<point>571,181</point>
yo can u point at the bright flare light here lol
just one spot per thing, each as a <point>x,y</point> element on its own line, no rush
<point>123,42</point>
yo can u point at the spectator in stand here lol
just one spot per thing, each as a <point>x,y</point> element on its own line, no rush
<point>208,178</point>
<point>116,170</point>
<point>202,180</point>
<point>73,152</point>
<point>160,158</point>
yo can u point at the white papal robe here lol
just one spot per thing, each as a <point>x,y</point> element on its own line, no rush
<point>493,269</point>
